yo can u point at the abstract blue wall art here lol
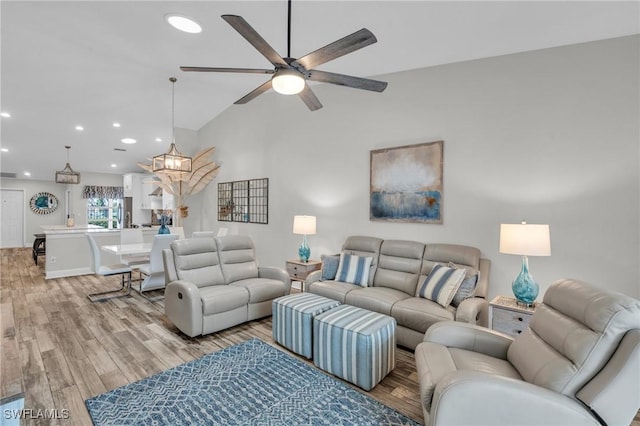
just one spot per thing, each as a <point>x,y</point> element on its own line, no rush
<point>406,183</point>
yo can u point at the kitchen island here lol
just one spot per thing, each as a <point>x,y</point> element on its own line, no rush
<point>68,253</point>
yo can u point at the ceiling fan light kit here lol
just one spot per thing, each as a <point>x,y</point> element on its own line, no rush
<point>290,75</point>
<point>287,82</point>
<point>172,161</point>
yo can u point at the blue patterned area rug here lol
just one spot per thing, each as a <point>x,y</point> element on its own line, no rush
<point>250,383</point>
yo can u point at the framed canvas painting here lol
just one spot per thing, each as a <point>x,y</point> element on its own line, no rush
<point>406,183</point>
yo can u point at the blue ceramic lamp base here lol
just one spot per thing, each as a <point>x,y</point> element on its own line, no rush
<point>304,251</point>
<point>525,289</point>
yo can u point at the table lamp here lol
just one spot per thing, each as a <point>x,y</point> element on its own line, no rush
<point>304,225</point>
<point>526,240</point>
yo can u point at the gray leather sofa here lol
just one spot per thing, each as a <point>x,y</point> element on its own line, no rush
<point>396,271</point>
<point>578,363</point>
<point>216,283</point>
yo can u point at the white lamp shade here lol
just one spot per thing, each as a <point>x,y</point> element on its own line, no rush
<point>525,239</point>
<point>287,82</point>
<point>304,225</point>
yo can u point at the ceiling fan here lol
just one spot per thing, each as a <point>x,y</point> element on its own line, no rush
<point>290,74</point>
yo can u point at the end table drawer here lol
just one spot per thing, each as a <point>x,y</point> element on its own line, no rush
<point>296,270</point>
<point>509,322</point>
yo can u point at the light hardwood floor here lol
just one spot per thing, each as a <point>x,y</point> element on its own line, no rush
<point>59,349</point>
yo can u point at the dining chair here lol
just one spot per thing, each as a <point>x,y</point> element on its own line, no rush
<point>133,236</point>
<point>203,234</point>
<point>108,270</point>
<point>154,270</point>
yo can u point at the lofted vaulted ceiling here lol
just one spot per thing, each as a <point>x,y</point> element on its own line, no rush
<point>93,63</point>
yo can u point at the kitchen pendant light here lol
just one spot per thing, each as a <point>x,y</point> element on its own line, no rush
<point>172,161</point>
<point>67,175</point>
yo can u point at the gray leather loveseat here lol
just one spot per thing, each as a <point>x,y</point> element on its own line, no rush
<point>216,283</point>
<point>397,271</point>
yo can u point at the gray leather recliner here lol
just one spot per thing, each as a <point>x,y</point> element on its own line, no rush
<point>578,363</point>
<point>216,283</point>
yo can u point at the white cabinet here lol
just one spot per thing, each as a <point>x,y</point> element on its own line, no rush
<point>148,199</point>
<point>168,201</point>
<point>128,184</point>
<point>138,186</point>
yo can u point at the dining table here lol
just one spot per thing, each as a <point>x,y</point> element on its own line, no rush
<point>133,249</point>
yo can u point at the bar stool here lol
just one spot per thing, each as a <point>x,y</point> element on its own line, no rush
<point>39,246</point>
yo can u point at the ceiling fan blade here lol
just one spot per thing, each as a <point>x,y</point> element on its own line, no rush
<point>256,40</point>
<point>338,48</point>
<point>347,80</point>
<point>255,93</point>
<point>239,70</point>
<point>310,98</point>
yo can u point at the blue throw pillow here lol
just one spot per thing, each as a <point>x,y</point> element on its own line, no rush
<point>441,284</point>
<point>330,266</point>
<point>466,290</point>
<point>354,269</point>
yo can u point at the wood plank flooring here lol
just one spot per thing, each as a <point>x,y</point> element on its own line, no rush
<point>59,349</point>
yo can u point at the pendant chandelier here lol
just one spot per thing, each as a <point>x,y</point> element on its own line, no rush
<point>67,175</point>
<point>172,161</point>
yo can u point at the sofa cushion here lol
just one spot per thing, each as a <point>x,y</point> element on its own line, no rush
<point>196,261</point>
<point>237,257</point>
<point>330,265</point>
<point>399,265</point>
<point>572,335</point>
<point>222,298</point>
<point>434,361</point>
<point>377,299</point>
<point>441,284</point>
<point>261,289</point>
<point>353,269</point>
<point>419,314</point>
<point>332,289</point>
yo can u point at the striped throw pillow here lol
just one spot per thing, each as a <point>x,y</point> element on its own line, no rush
<point>441,284</point>
<point>354,269</point>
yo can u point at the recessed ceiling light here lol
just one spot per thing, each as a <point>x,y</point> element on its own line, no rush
<point>158,139</point>
<point>5,114</point>
<point>116,124</point>
<point>114,165</point>
<point>27,174</point>
<point>4,150</point>
<point>79,128</point>
<point>128,140</point>
<point>183,23</point>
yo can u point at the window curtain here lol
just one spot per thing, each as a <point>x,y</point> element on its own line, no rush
<point>111,192</point>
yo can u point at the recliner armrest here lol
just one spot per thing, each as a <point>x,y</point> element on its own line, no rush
<point>475,398</point>
<point>313,277</point>
<point>470,310</point>
<point>183,306</point>
<point>276,274</point>
<point>471,337</point>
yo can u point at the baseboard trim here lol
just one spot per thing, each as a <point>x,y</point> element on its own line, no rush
<point>67,273</point>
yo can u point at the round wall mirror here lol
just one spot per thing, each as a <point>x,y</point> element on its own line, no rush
<point>43,203</point>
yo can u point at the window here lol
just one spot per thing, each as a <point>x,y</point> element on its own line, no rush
<point>104,212</point>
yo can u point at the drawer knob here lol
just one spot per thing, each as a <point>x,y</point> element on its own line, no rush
<point>520,319</point>
<point>518,331</point>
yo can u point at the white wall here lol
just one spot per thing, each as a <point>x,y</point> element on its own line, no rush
<point>78,204</point>
<point>549,136</point>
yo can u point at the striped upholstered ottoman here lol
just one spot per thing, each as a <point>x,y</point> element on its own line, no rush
<point>292,321</point>
<point>355,344</point>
